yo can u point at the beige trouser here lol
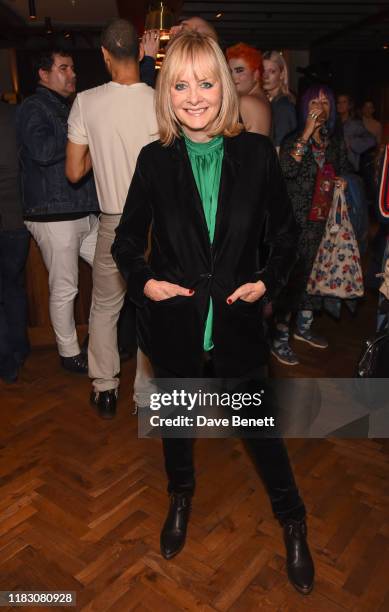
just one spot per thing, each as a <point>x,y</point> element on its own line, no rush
<point>107,300</point>
<point>143,385</point>
<point>61,243</point>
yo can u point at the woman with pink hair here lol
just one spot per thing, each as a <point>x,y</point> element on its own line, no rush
<point>246,68</point>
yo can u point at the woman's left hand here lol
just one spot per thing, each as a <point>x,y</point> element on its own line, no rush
<point>249,292</point>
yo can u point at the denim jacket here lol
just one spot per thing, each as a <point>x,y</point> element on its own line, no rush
<point>42,134</point>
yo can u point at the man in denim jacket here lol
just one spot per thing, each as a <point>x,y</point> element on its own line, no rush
<point>56,212</point>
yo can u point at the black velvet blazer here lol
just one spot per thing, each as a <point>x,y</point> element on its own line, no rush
<point>253,212</point>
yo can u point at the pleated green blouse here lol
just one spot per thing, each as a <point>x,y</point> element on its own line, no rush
<point>206,159</point>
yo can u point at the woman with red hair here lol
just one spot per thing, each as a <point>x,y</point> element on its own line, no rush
<point>246,67</point>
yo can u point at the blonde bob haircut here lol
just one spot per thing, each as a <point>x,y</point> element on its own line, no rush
<point>277,58</point>
<point>203,54</point>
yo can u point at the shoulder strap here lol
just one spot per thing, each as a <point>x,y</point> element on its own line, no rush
<point>336,201</point>
<point>383,188</point>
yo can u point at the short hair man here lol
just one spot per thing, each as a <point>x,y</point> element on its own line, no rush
<point>57,213</point>
<point>108,126</point>
<point>199,25</point>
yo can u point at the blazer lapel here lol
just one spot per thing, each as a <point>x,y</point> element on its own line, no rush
<point>189,193</point>
<point>229,172</point>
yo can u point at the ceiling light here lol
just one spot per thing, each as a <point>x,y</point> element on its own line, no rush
<point>32,9</point>
<point>160,18</point>
<point>219,15</point>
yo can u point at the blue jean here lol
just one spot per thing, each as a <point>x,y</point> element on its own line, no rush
<point>14,344</point>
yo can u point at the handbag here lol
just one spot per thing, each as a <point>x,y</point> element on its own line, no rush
<point>336,271</point>
<point>323,194</point>
<point>371,382</point>
<point>374,360</point>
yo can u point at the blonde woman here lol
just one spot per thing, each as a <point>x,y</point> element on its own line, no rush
<point>207,192</point>
<point>276,85</point>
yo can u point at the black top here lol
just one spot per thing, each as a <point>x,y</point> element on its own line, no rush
<point>147,70</point>
<point>253,208</point>
<point>10,199</point>
<point>284,119</point>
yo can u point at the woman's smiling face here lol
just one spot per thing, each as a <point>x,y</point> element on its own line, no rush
<point>196,98</point>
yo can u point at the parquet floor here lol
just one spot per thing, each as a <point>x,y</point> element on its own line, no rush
<point>82,502</point>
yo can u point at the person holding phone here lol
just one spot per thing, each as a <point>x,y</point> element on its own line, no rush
<point>312,160</point>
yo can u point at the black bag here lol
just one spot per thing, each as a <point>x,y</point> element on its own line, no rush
<point>374,361</point>
<point>372,375</point>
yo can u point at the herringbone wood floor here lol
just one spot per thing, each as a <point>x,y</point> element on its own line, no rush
<point>82,502</point>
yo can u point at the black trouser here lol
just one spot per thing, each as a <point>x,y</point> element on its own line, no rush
<point>14,343</point>
<point>270,458</point>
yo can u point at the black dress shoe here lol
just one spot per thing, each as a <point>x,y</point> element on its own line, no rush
<point>299,562</point>
<point>173,533</point>
<point>77,363</point>
<point>105,402</point>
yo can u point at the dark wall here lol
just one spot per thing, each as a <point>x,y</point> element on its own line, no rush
<point>363,75</point>
<point>89,66</point>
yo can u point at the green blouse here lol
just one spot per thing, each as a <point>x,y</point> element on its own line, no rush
<point>206,160</point>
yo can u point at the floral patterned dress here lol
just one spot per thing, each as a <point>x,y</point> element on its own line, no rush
<point>300,180</point>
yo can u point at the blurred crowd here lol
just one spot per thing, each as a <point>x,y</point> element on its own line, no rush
<point>52,141</point>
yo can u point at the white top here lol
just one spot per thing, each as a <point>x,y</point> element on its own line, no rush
<point>115,121</point>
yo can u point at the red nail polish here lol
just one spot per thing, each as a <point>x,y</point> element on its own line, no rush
<point>229,301</point>
<point>191,291</point>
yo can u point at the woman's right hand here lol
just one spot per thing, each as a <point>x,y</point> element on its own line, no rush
<point>162,290</point>
<point>314,113</point>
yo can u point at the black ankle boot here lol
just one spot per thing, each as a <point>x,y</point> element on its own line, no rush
<point>173,533</point>
<point>299,562</point>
